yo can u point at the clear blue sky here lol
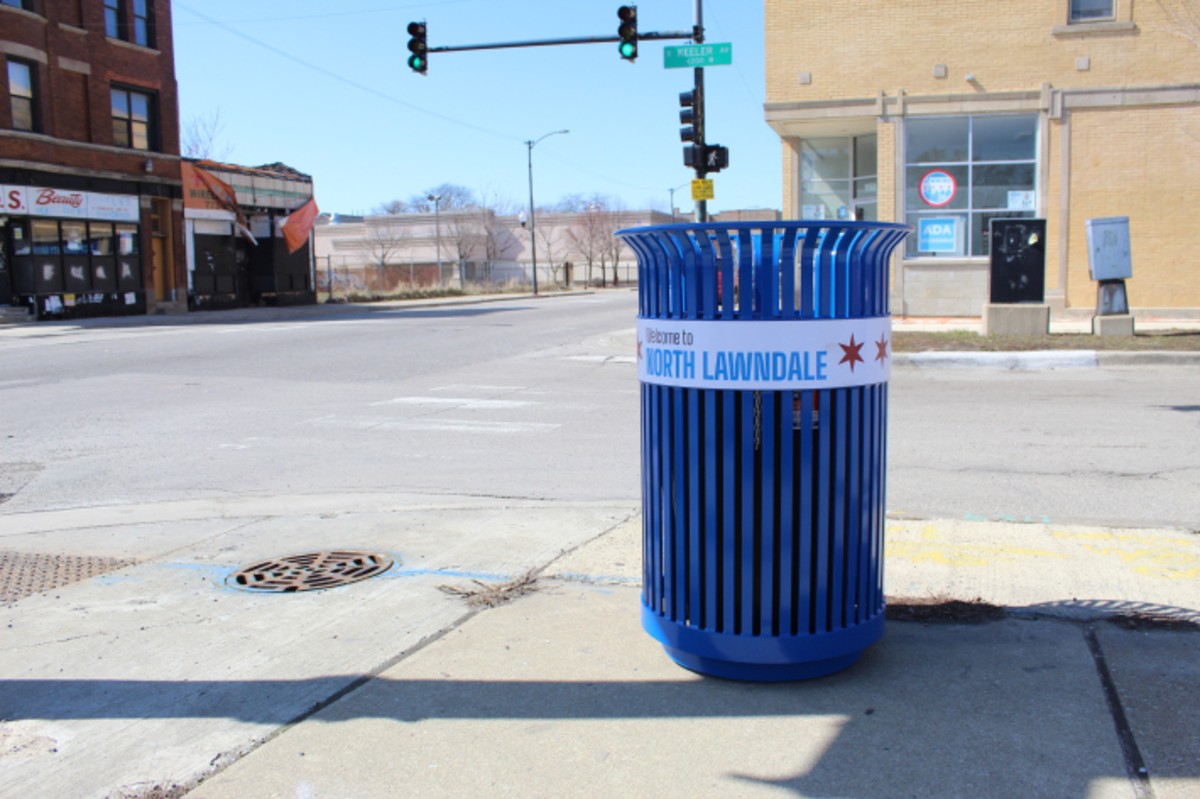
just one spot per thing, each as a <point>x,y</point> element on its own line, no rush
<point>324,87</point>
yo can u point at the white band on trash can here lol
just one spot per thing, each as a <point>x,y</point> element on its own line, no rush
<point>765,355</point>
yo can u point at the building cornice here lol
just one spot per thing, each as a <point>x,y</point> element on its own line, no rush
<point>1053,101</point>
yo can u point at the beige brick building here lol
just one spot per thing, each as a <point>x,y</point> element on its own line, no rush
<point>945,115</point>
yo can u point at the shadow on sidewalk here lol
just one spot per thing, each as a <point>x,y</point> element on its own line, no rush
<point>947,710</point>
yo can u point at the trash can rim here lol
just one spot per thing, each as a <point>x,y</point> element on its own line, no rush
<point>798,224</point>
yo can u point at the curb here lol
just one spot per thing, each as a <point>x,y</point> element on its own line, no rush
<point>1039,360</point>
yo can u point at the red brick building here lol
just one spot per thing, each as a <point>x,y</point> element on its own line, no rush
<point>91,218</point>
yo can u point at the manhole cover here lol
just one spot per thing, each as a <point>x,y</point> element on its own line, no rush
<point>310,572</point>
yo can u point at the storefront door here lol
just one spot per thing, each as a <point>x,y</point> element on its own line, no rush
<point>161,259</point>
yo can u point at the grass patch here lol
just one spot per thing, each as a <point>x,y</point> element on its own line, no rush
<point>967,341</point>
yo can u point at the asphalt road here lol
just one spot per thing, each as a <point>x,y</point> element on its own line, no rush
<point>531,399</point>
<point>519,398</point>
<point>472,443</point>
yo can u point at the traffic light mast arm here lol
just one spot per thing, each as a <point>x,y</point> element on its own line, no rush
<point>663,36</point>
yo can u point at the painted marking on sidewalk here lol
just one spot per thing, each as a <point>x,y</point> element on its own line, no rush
<point>933,547</point>
<point>1150,555</point>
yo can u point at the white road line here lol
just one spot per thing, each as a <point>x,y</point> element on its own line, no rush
<point>457,402</point>
<point>376,423</point>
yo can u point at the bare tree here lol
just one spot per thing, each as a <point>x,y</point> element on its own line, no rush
<point>451,197</point>
<point>384,239</point>
<point>587,238</point>
<point>202,137</point>
<point>391,207</point>
<point>498,239</point>
<point>547,231</point>
<point>612,247</point>
<point>462,229</point>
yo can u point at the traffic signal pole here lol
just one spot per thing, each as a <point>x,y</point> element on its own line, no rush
<point>700,166</point>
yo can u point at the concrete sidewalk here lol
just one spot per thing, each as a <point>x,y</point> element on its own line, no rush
<point>560,693</point>
<point>157,678</point>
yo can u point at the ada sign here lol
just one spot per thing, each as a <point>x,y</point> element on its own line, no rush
<point>940,234</point>
<point>938,188</point>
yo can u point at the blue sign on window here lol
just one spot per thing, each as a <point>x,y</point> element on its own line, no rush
<point>940,234</point>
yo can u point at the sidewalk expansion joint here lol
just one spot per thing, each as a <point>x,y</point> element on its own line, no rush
<point>1135,764</point>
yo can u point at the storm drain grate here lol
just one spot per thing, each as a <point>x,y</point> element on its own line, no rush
<point>310,572</point>
<point>23,574</point>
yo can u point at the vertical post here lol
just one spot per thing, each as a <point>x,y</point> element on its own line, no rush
<point>329,274</point>
<point>437,226</point>
<point>701,167</point>
<point>532,238</point>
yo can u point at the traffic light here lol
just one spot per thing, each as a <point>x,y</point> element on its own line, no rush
<point>628,32</point>
<point>691,116</point>
<point>419,60</point>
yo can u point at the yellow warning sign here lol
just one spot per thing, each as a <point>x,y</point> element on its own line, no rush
<point>702,189</point>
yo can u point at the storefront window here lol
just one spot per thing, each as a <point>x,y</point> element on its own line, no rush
<point>101,237</point>
<point>961,172</point>
<point>74,238</point>
<point>127,239</point>
<point>22,243</point>
<point>45,238</point>
<point>838,178</point>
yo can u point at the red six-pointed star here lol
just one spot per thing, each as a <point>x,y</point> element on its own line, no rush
<point>881,352</point>
<point>850,352</point>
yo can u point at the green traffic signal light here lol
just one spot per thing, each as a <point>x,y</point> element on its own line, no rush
<point>628,32</point>
<point>417,62</point>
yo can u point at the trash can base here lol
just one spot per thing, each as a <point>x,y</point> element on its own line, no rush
<point>763,658</point>
<point>754,672</point>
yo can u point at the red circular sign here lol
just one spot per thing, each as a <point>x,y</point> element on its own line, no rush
<point>938,187</point>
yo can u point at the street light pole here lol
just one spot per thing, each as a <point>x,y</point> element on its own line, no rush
<point>532,239</point>
<point>437,227</point>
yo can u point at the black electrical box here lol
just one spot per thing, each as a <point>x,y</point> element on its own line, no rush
<point>1018,260</point>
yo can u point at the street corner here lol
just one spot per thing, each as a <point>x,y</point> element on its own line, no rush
<point>613,557</point>
<point>1074,570</point>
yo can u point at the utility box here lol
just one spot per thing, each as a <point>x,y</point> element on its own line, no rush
<point>1110,265</point>
<point>1018,261</point>
<point>1108,248</point>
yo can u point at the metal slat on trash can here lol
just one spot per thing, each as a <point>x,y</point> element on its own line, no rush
<point>763,509</point>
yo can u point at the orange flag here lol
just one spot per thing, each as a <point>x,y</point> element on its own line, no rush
<point>226,197</point>
<point>298,224</point>
<point>222,191</point>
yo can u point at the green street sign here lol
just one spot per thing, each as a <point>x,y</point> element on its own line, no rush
<point>698,55</point>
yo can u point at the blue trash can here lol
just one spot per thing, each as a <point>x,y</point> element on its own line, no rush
<point>764,351</point>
